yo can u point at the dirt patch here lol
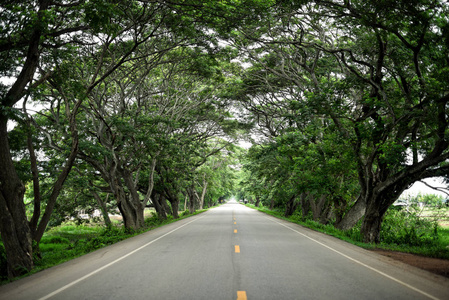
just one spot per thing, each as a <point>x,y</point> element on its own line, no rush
<point>434,265</point>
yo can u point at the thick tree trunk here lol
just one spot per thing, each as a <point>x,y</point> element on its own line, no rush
<point>14,226</point>
<point>317,206</point>
<point>377,205</point>
<point>128,214</point>
<point>134,206</point>
<point>165,205</point>
<point>372,222</point>
<point>355,213</point>
<point>175,207</point>
<point>160,209</point>
<point>257,202</point>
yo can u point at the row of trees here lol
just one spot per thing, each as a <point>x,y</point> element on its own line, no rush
<point>351,99</point>
<point>128,110</point>
<point>140,101</point>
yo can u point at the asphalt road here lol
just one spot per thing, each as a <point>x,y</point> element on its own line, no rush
<point>230,252</point>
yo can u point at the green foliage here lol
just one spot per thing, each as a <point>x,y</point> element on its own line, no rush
<point>3,263</point>
<point>408,228</point>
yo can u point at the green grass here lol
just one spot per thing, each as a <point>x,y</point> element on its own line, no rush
<point>424,240</point>
<point>68,241</point>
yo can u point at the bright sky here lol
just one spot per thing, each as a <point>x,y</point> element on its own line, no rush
<point>419,187</point>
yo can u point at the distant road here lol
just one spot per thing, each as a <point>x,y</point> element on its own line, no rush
<point>230,252</point>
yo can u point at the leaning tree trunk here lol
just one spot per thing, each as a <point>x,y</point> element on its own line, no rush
<point>14,226</point>
<point>355,213</point>
<point>103,208</point>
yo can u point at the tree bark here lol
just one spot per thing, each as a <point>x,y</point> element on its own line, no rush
<point>317,206</point>
<point>305,205</point>
<point>355,213</point>
<point>14,226</point>
<point>290,206</point>
<point>191,194</point>
<point>158,207</point>
<point>203,193</point>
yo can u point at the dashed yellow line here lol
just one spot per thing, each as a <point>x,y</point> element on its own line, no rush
<point>241,295</point>
<point>237,249</point>
<point>235,230</point>
<point>235,223</point>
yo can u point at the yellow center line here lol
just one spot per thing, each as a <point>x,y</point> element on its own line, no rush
<point>235,230</point>
<point>237,249</point>
<point>235,223</point>
<point>241,295</point>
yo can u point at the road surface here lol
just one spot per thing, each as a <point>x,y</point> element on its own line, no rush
<point>230,252</point>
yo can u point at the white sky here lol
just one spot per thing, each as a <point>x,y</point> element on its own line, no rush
<point>419,187</point>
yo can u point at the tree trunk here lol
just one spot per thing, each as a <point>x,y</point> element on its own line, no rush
<point>191,194</point>
<point>104,210</point>
<point>134,205</point>
<point>290,206</point>
<point>305,205</point>
<point>14,226</point>
<point>372,222</point>
<point>317,206</point>
<point>355,213</point>
<point>203,193</point>
<point>158,207</point>
<point>165,205</point>
<point>175,207</point>
<point>257,201</point>
<point>128,214</point>
<point>377,205</point>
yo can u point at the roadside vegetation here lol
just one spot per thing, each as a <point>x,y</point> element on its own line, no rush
<point>421,231</point>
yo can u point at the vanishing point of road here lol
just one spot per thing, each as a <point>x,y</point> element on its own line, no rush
<point>230,252</point>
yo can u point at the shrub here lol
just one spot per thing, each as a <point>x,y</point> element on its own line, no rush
<point>408,228</point>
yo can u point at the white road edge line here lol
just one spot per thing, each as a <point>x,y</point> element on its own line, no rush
<point>358,262</point>
<point>113,262</point>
